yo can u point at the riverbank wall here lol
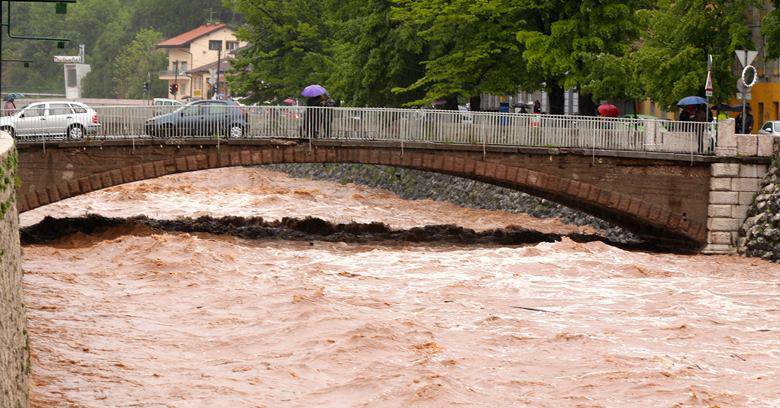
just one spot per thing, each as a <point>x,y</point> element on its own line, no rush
<point>14,346</point>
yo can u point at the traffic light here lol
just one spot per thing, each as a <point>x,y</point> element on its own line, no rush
<point>146,86</point>
<point>174,88</point>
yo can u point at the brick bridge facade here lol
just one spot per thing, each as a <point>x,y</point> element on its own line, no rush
<point>662,196</point>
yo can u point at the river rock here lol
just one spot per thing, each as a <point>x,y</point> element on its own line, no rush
<point>761,229</point>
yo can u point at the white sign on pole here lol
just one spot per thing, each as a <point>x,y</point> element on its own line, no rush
<point>746,57</point>
<point>708,86</point>
<point>68,59</point>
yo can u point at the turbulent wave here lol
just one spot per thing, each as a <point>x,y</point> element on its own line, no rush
<point>51,229</point>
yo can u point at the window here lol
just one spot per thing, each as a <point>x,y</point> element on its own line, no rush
<point>78,108</point>
<point>60,109</point>
<point>767,127</point>
<point>34,111</point>
<point>183,66</point>
<point>217,109</point>
<point>215,45</point>
<point>71,77</point>
<point>193,110</point>
<point>231,45</point>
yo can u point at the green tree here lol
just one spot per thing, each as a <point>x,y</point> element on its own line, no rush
<point>770,28</point>
<point>582,44</point>
<point>678,35</point>
<point>372,55</point>
<point>471,46</point>
<point>289,47</point>
<point>132,66</point>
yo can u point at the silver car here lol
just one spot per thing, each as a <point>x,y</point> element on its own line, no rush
<point>73,120</point>
<point>770,128</point>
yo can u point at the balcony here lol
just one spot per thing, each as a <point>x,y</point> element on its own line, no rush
<point>169,75</point>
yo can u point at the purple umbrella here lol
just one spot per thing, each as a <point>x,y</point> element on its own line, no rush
<point>313,90</point>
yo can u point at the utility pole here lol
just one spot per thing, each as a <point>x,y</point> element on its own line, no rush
<point>216,46</point>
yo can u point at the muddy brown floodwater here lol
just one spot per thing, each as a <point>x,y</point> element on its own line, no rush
<point>138,318</point>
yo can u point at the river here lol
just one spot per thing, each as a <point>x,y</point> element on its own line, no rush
<point>136,317</point>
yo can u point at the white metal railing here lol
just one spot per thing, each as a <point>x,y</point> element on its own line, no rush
<point>368,124</point>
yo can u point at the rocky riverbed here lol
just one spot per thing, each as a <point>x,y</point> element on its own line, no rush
<point>420,185</point>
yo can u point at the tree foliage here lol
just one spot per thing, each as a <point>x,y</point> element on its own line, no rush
<point>106,27</point>
<point>770,28</point>
<point>133,64</point>
<point>678,35</point>
<point>471,46</point>
<point>289,41</point>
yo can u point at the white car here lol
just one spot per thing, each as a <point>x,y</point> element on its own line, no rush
<point>73,120</point>
<point>770,128</point>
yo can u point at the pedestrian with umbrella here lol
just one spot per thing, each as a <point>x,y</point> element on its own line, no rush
<point>313,115</point>
<point>608,110</point>
<point>9,107</point>
<point>694,110</point>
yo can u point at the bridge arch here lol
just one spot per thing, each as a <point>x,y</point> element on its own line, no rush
<point>576,180</point>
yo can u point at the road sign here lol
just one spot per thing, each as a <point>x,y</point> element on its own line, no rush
<point>68,59</point>
<point>749,76</point>
<point>708,86</point>
<point>746,57</point>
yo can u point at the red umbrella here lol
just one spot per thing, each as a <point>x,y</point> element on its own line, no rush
<point>609,110</point>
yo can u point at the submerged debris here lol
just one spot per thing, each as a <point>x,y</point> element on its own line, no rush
<point>307,229</point>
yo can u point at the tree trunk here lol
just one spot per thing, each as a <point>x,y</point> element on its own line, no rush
<point>451,102</point>
<point>587,105</point>
<point>475,103</point>
<point>557,99</point>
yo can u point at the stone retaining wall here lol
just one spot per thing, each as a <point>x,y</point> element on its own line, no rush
<point>733,187</point>
<point>14,351</point>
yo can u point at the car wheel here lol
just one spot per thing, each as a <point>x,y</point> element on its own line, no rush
<point>75,132</point>
<point>10,130</point>
<point>236,131</point>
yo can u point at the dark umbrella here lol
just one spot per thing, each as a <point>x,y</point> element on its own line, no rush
<point>313,91</point>
<point>609,110</point>
<point>727,108</point>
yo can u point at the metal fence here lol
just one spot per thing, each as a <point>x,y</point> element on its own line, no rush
<point>366,124</point>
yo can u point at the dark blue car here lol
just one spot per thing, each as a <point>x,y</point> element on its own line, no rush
<point>201,118</point>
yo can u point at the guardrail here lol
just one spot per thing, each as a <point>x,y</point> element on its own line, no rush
<point>381,124</point>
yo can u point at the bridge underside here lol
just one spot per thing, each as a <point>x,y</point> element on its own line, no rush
<point>655,197</point>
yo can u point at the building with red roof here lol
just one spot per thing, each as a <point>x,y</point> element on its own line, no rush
<point>193,60</point>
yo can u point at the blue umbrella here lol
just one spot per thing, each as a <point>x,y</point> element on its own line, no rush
<point>313,90</point>
<point>692,100</point>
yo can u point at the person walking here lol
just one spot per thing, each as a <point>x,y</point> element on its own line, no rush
<point>327,115</point>
<point>537,106</point>
<point>9,107</point>
<point>312,117</point>
<point>748,122</point>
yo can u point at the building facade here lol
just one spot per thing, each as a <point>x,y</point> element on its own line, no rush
<point>192,60</point>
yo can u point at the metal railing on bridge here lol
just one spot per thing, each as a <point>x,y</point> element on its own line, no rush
<point>221,120</point>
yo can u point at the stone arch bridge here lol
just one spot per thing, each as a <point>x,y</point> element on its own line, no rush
<point>666,196</point>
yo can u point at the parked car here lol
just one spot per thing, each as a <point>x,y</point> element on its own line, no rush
<point>770,128</point>
<point>73,120</point>
<point>164,105</point>
<point>201,118</point>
